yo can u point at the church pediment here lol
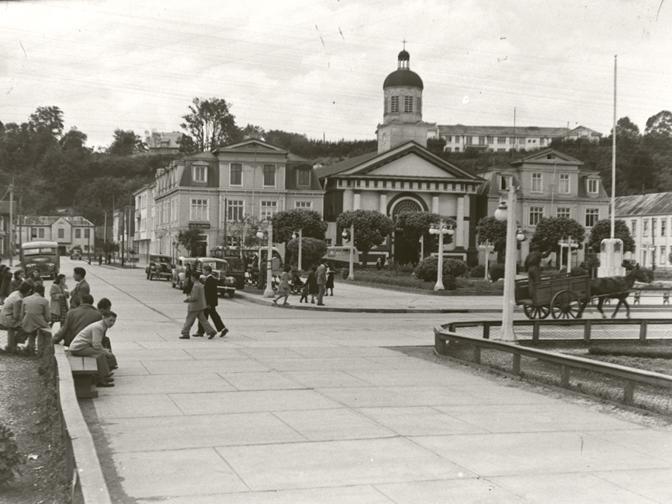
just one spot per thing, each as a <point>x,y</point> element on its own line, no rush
<point>252,145</point>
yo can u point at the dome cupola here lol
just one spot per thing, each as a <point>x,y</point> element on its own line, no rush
<point>403,75</point>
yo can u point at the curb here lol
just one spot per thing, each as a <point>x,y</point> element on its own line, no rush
<point>256,300</point>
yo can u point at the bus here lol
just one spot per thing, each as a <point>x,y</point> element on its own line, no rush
<point>42,256</point>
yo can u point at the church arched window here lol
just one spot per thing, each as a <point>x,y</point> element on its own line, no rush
<point>408,104</point>
<point>395,104</point>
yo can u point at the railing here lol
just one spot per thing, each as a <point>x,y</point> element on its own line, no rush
<point>586,323</point>
<point>448,343</point>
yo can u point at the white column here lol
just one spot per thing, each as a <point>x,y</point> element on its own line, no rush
<point>435,204</point>
<point>356,201</point>
<point>382,203</point>
<point>348,200</point>
<point>459,231</point>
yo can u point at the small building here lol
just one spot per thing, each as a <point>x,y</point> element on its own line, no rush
<point>648,217</point>
<point>583,133</point>
<point>459,137</point>
<point>68,231</point>
<point>160,142</point>
<point>144,233</point>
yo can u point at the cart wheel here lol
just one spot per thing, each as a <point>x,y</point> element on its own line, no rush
<point>565,305</point>
<point>536,312</point>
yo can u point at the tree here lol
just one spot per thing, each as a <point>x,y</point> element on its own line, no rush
<point>659,124</point>
<point>308,221</point>
<point>627,131</point>
<point>126,143</point>
<point>550,230</point>
<point>210,123</point>
<point>602,230</point>
<point>371,228</point>
<point>49,119</point>
<point>312,250</point>
<point>73,140</point>
<point>253,131</point>
<point>491,230</point>
<point>413,226</point>
<point>189,239</point>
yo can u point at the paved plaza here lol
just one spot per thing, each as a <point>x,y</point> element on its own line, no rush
<point>312,406</point>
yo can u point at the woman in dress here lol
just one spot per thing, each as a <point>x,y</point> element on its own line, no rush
<point>283,287</point>
<point>59,299</point>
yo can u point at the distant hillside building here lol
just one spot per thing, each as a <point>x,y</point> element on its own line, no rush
<point>459,137</point>
<point>67,231</point>
<point>163,142</point>
<point>649,217</point>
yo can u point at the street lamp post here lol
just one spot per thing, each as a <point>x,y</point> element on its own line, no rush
<point>505,212</point>
<point>487,247</point>
<point>268,292</point>
<point>350,234</point>
<point>299,234</point>
<point>440,229</point>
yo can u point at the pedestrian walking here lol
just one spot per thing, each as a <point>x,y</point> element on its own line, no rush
<point>211,299</point>
<point>88,343</point>
<point>188,282</point>
<point>283,286</point>
<point>321,279</point>
<point>81,287</point>
<point>312,283</point>
<point>330,281</point>
<point>196,309</point>
<point>58,294</point>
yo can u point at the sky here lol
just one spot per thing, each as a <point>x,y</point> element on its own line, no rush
<point>317,66</point>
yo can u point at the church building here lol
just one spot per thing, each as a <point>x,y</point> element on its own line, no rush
<point>403,175</point>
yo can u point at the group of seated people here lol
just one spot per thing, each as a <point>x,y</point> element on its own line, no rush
<point>27,315</point>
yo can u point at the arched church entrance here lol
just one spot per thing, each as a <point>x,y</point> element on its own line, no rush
<point>405,248</point>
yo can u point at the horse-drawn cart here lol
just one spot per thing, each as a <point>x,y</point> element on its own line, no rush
<point>562,297</point>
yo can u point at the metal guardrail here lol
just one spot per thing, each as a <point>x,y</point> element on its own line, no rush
<point>586,323</point>
<point>630,377</point>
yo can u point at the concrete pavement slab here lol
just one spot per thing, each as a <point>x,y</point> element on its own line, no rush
<point>250,401</point>
<point>371,397</point>
<point>333,424</point>
<point>200,366</point>
<point>419,421</point>
<point>406,377</point>
<point>564,488</point>
<point>361,494</point>
<point>198,431</point>
<point>655,484</point>
<point>537,453</point>
<point>463,491</point>
<point>111,405</point>
<point>127,355</point>
<point>325,379</point>
<point>266,380</point>
<point>366,461</point>
<point>158,474</point>
<point>656,443</point>
<point>163,384</point>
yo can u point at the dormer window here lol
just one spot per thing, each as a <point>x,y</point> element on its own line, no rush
<point>303,177</point>
<point>199,174</point>
<point>269,175</point>
<point>593,187</point>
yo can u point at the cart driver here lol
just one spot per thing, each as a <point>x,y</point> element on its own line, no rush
<point>533,265</point>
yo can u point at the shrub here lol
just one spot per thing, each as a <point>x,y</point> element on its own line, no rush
<point>477,271</point>
<point>427,269</point>
<point>10,459</point>
<point>496,272</point>
<point>449,282</point>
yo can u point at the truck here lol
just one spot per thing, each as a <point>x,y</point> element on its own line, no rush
<point>42,256</point>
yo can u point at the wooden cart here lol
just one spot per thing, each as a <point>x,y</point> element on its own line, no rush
<point>562,297</point>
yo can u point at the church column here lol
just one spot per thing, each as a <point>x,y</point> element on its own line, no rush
<point>435,204</point>
<point>459,232</point>
<point>382,203</point>
<point>357,201</point>
<point>347,200</point>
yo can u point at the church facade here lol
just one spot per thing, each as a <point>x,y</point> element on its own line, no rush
<point>403,175</point>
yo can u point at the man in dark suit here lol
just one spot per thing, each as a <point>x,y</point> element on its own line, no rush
<point>81,288</point>
<point>211,299</point>
<point>77,319</point>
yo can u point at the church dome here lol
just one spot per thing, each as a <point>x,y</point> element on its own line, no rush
<point>403,75</point>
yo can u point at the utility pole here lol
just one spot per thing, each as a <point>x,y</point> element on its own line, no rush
<point>11,223</point>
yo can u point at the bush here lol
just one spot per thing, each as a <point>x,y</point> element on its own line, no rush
<point>496,272</point>
<point>449,282</point>
<point>477,271</point>
<point>427,269</point>
<point>10,459</point>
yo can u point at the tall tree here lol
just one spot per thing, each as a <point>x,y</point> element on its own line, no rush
<point>602,230</point>
<point>659,124</point>
<point>627,130</point>
<point>126,143</point>
<point>210,123</point>
<point>492,230</point>
<point>49,119</point>
<point>253,131</point>
<point>308,221</point>
<point>371,228</point>
<point>550,230</point>
<point>413,226</point>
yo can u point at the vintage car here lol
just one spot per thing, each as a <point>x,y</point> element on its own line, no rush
<point>160,266</point>
<point>76,254</point>
<point>40,256</point>
<point>226,284</point>
<point>180,269</point>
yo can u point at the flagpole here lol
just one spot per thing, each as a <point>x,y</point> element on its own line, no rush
<point>613,159</point>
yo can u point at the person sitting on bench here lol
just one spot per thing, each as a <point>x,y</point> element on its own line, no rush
<point>88,343</point>
<point>10,316</point>
<point>77,319</point>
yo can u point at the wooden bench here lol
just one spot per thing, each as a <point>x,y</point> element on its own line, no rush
<point>85,374</point>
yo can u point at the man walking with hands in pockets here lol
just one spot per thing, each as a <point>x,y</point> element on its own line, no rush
<point>196,309</point>
<point>211,298</point>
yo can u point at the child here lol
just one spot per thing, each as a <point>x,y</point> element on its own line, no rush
<point>304,292</point>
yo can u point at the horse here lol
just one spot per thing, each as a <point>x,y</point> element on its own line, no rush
<point>617,288</point>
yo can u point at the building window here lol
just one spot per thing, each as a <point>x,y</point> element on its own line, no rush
<point>236,174</point>
<point>481,140</point>
<point>78,233</point>
<point>269,175</point>
<point>536,214</point>
<point>564,212</point>
<point>503,183</point>
<point>408,104</point>
<point>564,183</point>
<point>592,216</point>
<point>86,233</point>
<point>633,227</point>
<point>199,174</point>
<point>394,104</point>
<point>173,210</point>
<point>653,226</point>
<point>469,140</point>
<point>61,233</point>
<point>268,208</point>
<point>386,105</point>
<point>235,210</point>
<point>306,205</point>
<point>592,186</point>
<point>303,177</point>
<point>165,212</point>
<point>419,102</point>
<point>500,140</point>
<point>40,233</point>
<point>536,182</point>
<point>199,210</point>
<point>645,227</point>
<point>662,258</point>
<point>663,227</point>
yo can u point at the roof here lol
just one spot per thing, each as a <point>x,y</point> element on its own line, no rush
<point>346,164</point>
<point>644,204</point>
<point>518,131</point>
<point>548,156</point>
<point>252,145</point>
<point>403,77</point>
<point>48,220</point>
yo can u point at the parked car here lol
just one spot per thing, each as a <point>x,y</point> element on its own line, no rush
<point>179,270</point>
<point>226,284</point>
<point>160,266</point>
<point>76,254</point>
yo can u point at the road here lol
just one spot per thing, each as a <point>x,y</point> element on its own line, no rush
<point>309,407</point>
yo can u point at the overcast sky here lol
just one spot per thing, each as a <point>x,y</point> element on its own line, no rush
<point>317,66</point>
